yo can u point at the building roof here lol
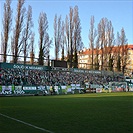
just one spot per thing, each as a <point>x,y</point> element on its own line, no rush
<point>114,49</point>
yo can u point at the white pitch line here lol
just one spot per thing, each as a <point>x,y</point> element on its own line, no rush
<point>48,131</point>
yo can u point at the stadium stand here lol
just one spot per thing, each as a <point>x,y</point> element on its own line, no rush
<point>40,77</point>
<point>40,80</point>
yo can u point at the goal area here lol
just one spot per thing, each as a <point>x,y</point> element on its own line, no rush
<point>118,86</point>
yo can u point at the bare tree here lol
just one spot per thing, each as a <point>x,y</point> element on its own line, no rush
<point>44,40</point>
<point>92,36</point>
<point>124,50</point>
<point>32,47</point>
<point>43,26</point>
<point>106,40</point>
<point>57,35</point>
<point>7,22</point>
<point>13,43</point>
<point>17,30</point>
<point>77,40</point>
<point>73,35</point>
<point>97,52</point>
<point>117,53</point>
<point>46,48</point>
<point>103,40</point>
<point>67,37</point>
<point>27,32</point>
<point>63,41</point>
<point>110,45</point>
<point>71,26</point>
<point>100,40</point>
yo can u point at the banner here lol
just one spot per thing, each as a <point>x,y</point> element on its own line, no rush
<point>98,90</point>
<point>130,87</point>
<point>6,90</point>
<point>18,90</point>
<point>29,87</point>
<point>56,89</point>
<point>22,66</point>
<point>64,89</point>
<point>86,71</point>
<point>43,89</point>
<point>69,89</point>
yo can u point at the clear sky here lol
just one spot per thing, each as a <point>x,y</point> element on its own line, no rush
<point>119,12</point>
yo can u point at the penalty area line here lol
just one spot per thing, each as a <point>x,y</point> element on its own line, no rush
<point>48,131</point>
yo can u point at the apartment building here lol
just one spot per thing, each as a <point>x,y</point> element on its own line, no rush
<point>130,53</point>
<point>85,56</point>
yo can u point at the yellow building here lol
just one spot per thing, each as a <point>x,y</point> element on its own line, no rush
<point>130,53</point>
<point>85,57</point>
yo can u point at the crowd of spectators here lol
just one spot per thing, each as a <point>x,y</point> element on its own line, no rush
<point>38,77</point>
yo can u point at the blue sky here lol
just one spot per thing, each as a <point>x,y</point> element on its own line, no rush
<point>119,12</point>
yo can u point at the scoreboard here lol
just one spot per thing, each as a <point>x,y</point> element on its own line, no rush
<point>59,63</point>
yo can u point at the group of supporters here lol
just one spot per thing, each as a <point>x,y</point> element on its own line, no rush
<point>40,77</point>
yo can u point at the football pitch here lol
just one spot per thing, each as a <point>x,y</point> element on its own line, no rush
<point>75,113</point>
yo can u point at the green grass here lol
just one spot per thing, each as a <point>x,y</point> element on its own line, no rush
<point>78,113</point>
